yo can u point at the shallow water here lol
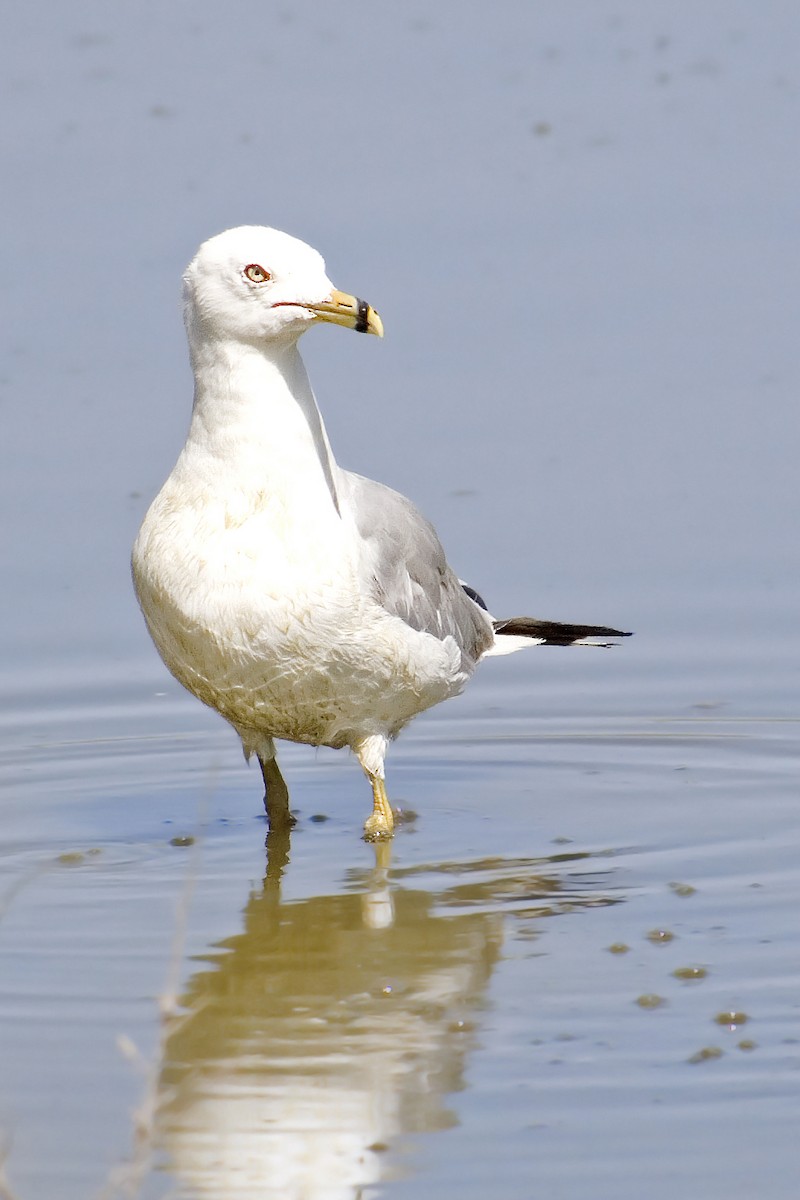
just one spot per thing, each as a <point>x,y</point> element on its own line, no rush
<point>579,225</point>
<point>331,1018</point>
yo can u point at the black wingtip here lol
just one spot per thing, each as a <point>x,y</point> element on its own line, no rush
<point>555,633</point>
<point>475,596</point>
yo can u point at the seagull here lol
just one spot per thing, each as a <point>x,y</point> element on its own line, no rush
<point>301,601</point>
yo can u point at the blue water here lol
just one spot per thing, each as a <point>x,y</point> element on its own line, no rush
<point>579,227</point>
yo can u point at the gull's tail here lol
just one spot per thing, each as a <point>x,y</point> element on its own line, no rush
<point>518,632</point>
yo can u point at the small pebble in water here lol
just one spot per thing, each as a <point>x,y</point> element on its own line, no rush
<point>183,840</point>
<point>708,1052</point>
<point>618,948</point>
<point>660,937</point>
<point>682,889</point>
<point>319,818</point>
<point>731,1019</point>
<point>650,1000</point>
<point>405,816</point>
<point>461,1026</point>
<point>690,972</point>
<point>747,1044</point>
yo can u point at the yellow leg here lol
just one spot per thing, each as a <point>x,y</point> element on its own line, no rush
<point>380,826</point>
<point>276,796</point>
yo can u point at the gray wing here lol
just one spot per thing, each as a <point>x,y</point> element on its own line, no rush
<point>403,562</point>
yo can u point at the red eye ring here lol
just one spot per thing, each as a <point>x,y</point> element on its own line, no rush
<point>256,273</point>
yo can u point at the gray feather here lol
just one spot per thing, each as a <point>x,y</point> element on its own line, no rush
<point>403,561</point>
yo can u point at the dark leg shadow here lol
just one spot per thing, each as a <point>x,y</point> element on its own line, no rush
<point>278,844</point>
<point>280,821</point>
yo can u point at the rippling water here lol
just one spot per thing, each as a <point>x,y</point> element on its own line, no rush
<point>575,972</point>
<point>498,987</point>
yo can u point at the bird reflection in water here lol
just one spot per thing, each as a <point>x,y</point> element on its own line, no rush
<point>331,1025</point>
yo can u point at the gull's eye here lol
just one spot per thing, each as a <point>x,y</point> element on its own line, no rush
<point>257,274</point>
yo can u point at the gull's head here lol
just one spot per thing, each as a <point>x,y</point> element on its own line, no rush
<point>255,284</point>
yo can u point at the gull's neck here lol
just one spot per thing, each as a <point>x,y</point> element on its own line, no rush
<point>255,421</point>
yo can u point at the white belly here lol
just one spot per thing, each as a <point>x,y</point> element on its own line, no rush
<point>270,626</point>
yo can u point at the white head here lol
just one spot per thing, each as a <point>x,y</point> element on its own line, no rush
<point>255,284</point>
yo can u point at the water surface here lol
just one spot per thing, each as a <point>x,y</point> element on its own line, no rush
<point>579,225</point>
